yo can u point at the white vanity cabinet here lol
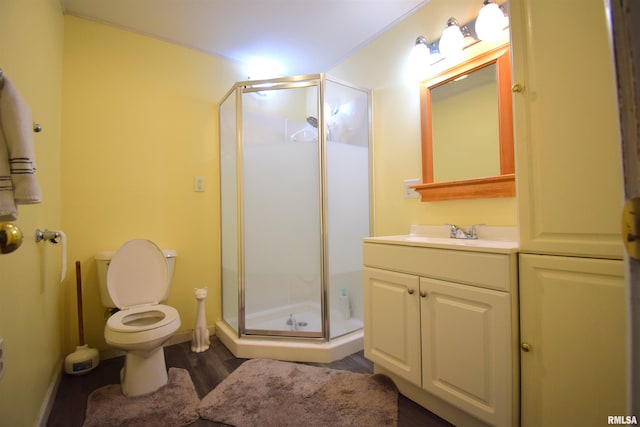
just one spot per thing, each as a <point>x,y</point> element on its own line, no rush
<point>443,324</point>
<point>567,139</point>
<point>573,324</point>
<point>569,189</point>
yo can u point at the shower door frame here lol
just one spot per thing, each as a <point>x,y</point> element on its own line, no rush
<point>293,82</point>
<point>259,86</point>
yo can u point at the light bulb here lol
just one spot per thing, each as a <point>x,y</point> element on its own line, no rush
<point>452,40</point>
<point>419,59</point>
<point>490,22</point>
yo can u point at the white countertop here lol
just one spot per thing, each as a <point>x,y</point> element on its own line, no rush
<point>490,239</point>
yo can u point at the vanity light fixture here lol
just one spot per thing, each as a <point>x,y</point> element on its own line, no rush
<point>491,21</point>
<point>452,39</point>
<point>490,24</point>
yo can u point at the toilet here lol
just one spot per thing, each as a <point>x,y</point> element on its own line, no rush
<point>135,279</point>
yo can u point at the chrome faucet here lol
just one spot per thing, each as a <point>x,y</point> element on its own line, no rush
<point>291,321</point>
<point>456,232</point>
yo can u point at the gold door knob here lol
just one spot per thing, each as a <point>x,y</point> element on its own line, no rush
<point>410,291</point>
<point>525,347</point>
<point>631,227</point>
<point>517,88</point>
<point>10,237</point>
<point>423,294</point>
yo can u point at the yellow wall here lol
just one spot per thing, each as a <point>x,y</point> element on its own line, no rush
<point>396,111</point>
<point>31,40</point>
<point>128,122</point>
<point>139,122</point>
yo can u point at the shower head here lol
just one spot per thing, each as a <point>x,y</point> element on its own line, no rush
<point>312,121</point>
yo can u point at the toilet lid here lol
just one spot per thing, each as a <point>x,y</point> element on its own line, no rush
<point>138,274</point>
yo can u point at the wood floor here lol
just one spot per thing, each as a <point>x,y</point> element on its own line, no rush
<point>207,370</point>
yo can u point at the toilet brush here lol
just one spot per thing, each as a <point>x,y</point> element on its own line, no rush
<point>84,359</point>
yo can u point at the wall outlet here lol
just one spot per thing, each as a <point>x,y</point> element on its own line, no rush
<point>410,193</point>
<point>1,358</point>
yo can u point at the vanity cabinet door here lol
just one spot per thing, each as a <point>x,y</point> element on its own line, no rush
<point>567,141</point>
<point>392,322</point>
<point>573,333</point>
<point>466,348</point>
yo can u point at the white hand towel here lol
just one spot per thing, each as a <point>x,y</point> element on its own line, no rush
<point>8,210</point>
<point>16,125</point>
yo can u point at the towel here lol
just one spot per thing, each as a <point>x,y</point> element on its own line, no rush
<point>8,210</point>
<point>17,153</point>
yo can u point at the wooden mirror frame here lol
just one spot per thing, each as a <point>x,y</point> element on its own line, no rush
<point>502,185</point>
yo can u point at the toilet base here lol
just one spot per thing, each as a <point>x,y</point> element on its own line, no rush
<point>143,372</point>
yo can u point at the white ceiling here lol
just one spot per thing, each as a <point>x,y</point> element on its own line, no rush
<point>304,36</point>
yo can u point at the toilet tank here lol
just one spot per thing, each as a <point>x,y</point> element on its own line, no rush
<point>104,258</point>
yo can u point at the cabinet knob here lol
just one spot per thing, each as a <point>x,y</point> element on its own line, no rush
<point>423,294</point>
<point>525,347</point>
<point>410,291</point>
<point>517,88</point>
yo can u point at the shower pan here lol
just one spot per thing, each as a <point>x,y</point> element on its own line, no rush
<point>295,205</point>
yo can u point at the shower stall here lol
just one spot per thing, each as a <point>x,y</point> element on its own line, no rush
<point>295,205</point>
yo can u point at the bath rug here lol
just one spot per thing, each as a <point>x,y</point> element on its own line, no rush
<point>263,392</point>
<point>173,404</point>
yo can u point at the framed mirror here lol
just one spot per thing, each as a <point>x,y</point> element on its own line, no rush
<point>467,130</point>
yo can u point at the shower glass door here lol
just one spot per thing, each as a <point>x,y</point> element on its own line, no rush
<point>347,134</point>
<point>229,210</point>
<point>282,207</point>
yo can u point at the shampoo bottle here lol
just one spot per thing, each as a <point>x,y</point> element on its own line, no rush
<point>344,308</point>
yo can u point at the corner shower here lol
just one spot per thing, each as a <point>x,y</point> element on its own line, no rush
<point>295,205</point>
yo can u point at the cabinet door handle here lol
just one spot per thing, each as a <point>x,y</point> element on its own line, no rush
<point>525,347</point>
<point>423,294</point>
<point>517,88</point>
<point>410,291</point>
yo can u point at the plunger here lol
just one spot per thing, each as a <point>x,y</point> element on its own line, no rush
<point>84,359</point>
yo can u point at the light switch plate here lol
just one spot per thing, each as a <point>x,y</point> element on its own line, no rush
<point>198,183</point>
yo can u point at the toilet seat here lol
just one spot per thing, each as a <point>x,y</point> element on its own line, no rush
<point>138,274</point>
<point>136,319</point>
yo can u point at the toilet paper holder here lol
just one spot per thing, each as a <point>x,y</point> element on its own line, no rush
<point>52,236</point>
<point>55,237</point>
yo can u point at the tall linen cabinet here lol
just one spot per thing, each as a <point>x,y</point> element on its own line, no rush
<point>569,189</point>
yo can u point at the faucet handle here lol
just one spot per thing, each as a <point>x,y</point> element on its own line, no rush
<point>453,229</point>
<point>473,234</point>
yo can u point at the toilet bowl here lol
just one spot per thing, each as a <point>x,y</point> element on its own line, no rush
<point>137,279</point>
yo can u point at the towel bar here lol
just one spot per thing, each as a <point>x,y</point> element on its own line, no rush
<point>36,126</point>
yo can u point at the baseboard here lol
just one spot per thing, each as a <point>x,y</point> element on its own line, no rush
<point>180,337</point>
<point>49,397</point>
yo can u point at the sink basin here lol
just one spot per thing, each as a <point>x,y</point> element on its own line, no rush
<point>446,241</point>
<point>497,238</point>
<point>462,242</point>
